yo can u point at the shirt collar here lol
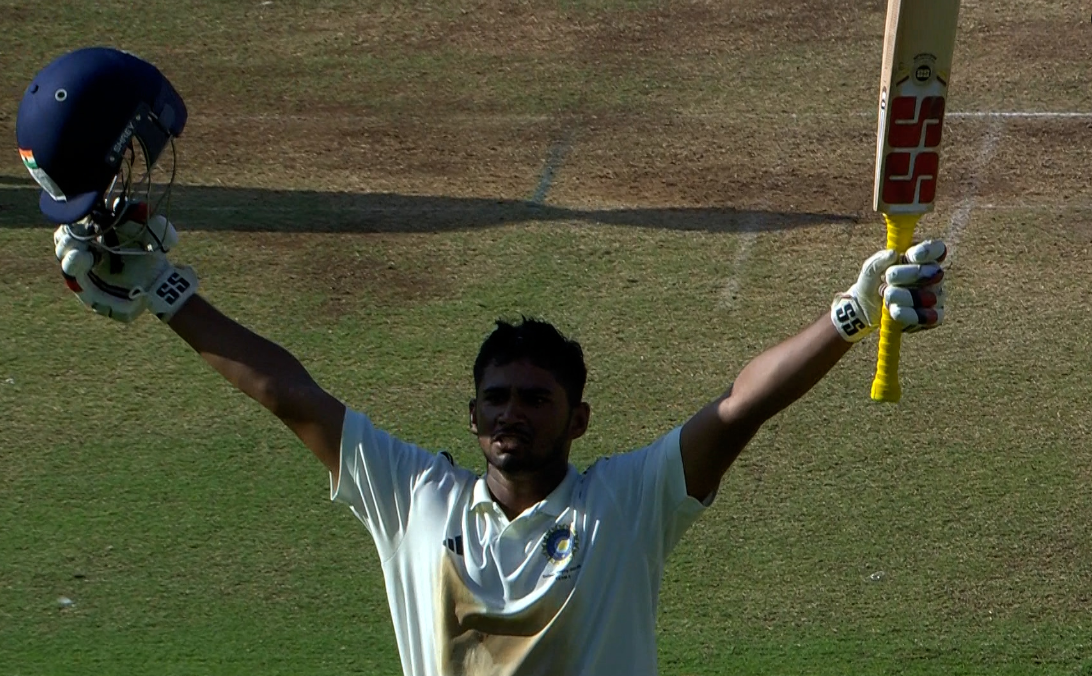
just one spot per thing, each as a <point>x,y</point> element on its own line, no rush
<point>554,504</point>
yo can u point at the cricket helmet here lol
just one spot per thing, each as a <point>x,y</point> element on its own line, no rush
<point>77,125</point>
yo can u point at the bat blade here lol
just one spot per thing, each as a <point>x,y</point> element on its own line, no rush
<point>919,42</point>
<point>917,61</point>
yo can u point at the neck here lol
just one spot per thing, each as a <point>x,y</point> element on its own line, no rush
<point>515,493</point>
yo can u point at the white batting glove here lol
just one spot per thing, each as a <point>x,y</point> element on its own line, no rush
<point>122,285</point>
<point>910,286</point>
<point>856,311</point>
<point>914,293</point>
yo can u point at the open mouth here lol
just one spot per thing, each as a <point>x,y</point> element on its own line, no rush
<point>509,438</point>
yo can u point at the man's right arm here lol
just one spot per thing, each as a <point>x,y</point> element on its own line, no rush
<point>378,473</point>
<point>267,373</point>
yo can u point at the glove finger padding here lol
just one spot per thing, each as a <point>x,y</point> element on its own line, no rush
<point>156,235</point>
<point>914,275</point>
<point>170,286</point>
<point>78,264</point>
<point>929,251</point>
<point>919,267</point>
<point>914,290</point>
<point>925,297</point>
<point>916,319</point>
<point>161,233</point>
<point>75,265</point>
<point>915,309</point>
<point>123,282</point>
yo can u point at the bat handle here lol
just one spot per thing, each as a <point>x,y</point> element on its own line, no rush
<point>885,386</point>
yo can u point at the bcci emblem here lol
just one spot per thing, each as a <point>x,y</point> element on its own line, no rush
<point>560,543</point>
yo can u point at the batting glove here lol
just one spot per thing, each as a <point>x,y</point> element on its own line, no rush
<point>914,293</point>
<point>123,282</point>
<point>910,286</point>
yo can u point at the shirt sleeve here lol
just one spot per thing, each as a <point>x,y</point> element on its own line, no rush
<point>377,477</point>
<point>650,488</point>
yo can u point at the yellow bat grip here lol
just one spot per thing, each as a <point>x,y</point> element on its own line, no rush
<point>885,386</point>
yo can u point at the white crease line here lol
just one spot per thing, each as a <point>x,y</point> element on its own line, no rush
<point>376,119</point>
<point>965,115</point>
<point>554,159</point>
<point>961,217</point>
<point>748,234</point>
<point>972,114</point>
<point>1023,114</point>
<point>1052,207</point>
<point>719,114</point>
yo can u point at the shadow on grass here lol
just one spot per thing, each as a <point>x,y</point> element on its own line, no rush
<point>212,208</point>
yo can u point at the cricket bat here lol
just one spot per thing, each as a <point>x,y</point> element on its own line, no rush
<point>918,43</point>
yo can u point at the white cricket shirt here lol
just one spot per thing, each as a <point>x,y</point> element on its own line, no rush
<point>567,588</point>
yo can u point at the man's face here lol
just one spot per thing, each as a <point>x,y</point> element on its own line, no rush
<point>523,418</point>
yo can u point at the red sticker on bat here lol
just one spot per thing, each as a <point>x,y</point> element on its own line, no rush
<point>910,174</point>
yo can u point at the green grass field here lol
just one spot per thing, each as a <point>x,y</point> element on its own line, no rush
<point>355,183</point>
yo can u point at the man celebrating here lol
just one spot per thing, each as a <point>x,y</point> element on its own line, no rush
<point>520,569</point>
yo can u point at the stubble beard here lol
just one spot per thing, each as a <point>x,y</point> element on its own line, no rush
<point>529,464</point>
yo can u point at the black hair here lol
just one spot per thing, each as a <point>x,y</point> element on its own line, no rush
<point>541,344</point>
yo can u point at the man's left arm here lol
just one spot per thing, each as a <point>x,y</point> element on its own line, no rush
<point>909,288</point>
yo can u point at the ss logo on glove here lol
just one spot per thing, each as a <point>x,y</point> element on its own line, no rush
<point>849,320</point>
<point>173,288</point>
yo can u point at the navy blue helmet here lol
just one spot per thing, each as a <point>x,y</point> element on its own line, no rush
<point>79,118</point>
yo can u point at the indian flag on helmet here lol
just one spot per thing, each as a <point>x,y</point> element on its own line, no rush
<point>41,177</point>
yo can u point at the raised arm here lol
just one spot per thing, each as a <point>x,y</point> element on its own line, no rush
<point>714,437</point>
<point>267,373</point>
<point>124,287</point>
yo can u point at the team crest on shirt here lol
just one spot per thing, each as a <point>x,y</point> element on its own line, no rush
<point>560,543</point>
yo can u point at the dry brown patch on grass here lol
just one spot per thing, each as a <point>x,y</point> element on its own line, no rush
<point>30,271</point>
<point>519,29</point>
<point>1013,62</point>
<point>761,24</point>
<point>657,32</point>
<point>1039,158</point>
<point>348,279</point>
<point>694,161</point>
<point>344,272</point>
<point>499,28</point>
<point>338,150</point>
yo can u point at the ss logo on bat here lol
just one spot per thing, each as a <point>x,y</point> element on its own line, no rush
<point>849,320</point>
<point>910,167</point>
